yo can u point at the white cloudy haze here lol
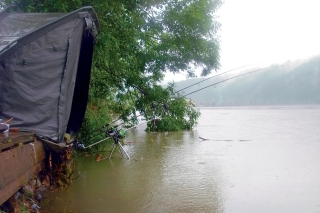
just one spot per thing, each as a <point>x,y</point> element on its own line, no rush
<point>266,31</point>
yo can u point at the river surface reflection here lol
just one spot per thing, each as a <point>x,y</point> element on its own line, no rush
<point>255,159</point>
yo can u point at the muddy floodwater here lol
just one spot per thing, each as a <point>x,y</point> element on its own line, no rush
<point>254,159</point>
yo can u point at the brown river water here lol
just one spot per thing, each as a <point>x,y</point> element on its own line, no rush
<point>255,159</point>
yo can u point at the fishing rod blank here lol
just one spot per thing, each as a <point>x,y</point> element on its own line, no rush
<point>100,130</point>
<point>104,126</point>
<point>227,80</point>
<point>89,146</point>
<point>166,106</point>
<point>86,147</point>
<point>213,77</point>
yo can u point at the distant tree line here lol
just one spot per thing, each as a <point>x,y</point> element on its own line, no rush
<point>292,83</point>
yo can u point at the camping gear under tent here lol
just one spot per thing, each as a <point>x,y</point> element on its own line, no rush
<point>45,66</point>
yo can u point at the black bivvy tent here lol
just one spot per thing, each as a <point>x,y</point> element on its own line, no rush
<point>45,65</point>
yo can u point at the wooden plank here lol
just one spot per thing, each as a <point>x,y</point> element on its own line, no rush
<point>40,153</point>
<point>12,136</point>
<point>8,190</point>
<point>11,139</point>
<point>17,161</point>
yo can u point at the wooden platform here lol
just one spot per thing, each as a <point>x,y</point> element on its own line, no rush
<point>21,158</point>
<point>11,139</point>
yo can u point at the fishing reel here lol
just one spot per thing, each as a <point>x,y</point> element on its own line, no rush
<point>78,145</point>
<point>115,133</point>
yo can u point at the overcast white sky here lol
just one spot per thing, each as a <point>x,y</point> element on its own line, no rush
<point>267,31</point>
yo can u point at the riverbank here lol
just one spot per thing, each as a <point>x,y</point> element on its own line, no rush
<point>28,168</point>
<point>21,160</point>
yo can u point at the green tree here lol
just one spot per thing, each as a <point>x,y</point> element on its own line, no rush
<point>139,41</point>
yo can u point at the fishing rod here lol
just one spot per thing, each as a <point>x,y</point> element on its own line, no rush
<point>114,128</point>
<point>116,134</point>
<point>243,74</point>
<point>165,105</point>
<point>108,124</point>
<point>213,77</point>
<point>134,118</point>
<point>100,129</point>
